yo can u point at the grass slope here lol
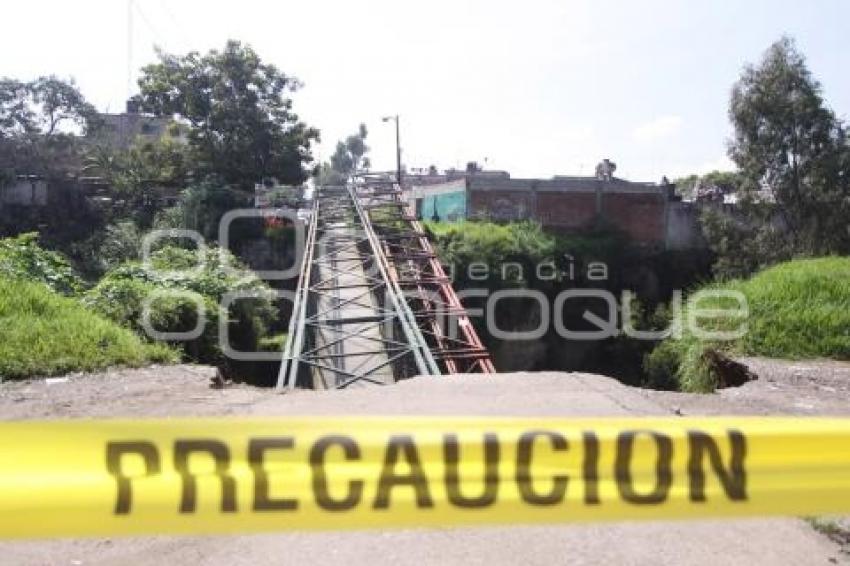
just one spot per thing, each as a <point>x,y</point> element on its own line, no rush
<point>43,333</point>
<point>798,309</point>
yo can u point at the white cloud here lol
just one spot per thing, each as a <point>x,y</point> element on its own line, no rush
<point>659,128</point>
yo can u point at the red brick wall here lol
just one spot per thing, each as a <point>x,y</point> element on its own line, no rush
<point>640,215</point>
<point>571,211</point>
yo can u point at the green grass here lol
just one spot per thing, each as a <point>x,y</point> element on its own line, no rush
<point>798,310</point>
<point>43,333</point>
<point>273,343</point>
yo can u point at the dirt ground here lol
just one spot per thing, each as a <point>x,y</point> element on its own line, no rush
<point>807,387</point>
<point>804,388</point>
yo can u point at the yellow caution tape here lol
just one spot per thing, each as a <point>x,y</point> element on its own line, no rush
<point>227,475</point>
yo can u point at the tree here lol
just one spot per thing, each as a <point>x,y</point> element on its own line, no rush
<point>59,102</point>
<point>135,173</point>
<point>685,185</point>
<point>160,162</point>
<point>793,178</point>
<point>16,116</point>
<point>792,153</point>
<point>243,128</point>
<point>204,204</point>
<point>348,158</point>
<point>38,123</point>
<point>41,106</point>
<point>726,182</point>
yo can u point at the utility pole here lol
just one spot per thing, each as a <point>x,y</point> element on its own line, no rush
<point>397,146</point>
<point>129,48</point>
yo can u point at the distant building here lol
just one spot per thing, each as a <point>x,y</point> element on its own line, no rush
<point>32,203</point>
<point>565,203</point>
<point>430,176</point>
<point>120,131</point>
<point>26,190</point>
<point>444,201</point>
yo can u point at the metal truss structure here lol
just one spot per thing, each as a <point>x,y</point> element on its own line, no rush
<point>427,289</point>
<point>350,323</point>
<point>373,304</point>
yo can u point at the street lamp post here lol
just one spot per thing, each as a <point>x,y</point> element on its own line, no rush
<point>397,146</point>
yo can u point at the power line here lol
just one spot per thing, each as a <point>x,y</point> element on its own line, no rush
<point>180,29</point>
<point>150,25</point>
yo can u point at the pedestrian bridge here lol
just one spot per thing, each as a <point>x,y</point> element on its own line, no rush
<point>373,303</point>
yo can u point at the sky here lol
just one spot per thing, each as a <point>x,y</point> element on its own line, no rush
<point>537,88</point>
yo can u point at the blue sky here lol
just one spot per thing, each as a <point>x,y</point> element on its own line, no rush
<point>535,87</point>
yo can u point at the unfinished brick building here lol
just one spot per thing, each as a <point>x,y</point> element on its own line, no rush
<point>571,204</point>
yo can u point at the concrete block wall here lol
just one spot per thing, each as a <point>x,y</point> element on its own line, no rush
<point>25,192</point>
<point>683,229</point>
<point>501,205</point>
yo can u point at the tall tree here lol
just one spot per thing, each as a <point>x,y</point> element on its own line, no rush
<point>793,177</point>
<point>348,158</point>
<point>60,102</point>
<point>792,151</point>
<point>16,116</point>
<point>243,128</point>
<point>41,106</point>
<point>39,121</point>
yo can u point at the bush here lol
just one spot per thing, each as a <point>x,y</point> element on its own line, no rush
<point>107,248</point>
<point>696,373</point>
<point>22,258</point>
<point>122,301</point>
<point>742,246</point>
<point>119,300</point>
<point>121,294</point>
<point>121,242</point>
<point>797,309</point>
<point>460,244</point>
<point>526,243</point>
<point>273,343</point>
<point>170,218</point>
<point>206,202</point>
<point>43,333</point>
<point>661,367</point>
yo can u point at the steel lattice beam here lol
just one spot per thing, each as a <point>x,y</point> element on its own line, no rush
<point>350,322</point>
<point>439,314</point>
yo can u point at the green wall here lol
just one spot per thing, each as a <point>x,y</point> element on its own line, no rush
<point>446,207</point>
